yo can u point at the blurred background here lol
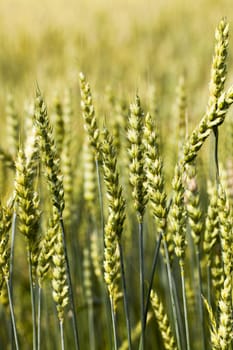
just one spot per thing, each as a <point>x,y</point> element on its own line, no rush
<point>126,46</point>
<point>126,43</point>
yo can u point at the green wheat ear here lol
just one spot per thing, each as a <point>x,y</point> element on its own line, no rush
<point>88,111</point>
<point>59,280</point>
<point>115,221</point>
<point>163,322</point>
<point>49,153</point>
<point>136,151</point>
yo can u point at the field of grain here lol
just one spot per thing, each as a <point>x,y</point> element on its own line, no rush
<point>116,175</point>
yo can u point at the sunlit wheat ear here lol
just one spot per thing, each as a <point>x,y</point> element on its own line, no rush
<point>47,248</point>
<point>58,122</point>
<point>219,101</point>
<point>96,256</point>
<point>163,322</point>
<point>66,158</point>
<point>89,177</point>
<point>12,123</point>
<point>115,221</point>
<point>5,224</point>
<point>59,280</point>
<point>136,151</point>
<point>225,318</point>
<point>181,113</point>
<point>194,211</point>
<point>88,111</point>
<point>87,280</point>
<point>49,153</point>
<point>212,325</point>
<point>219,67</point>
<point>154,174</point>
<point>225,227</point>
<point>217,274</point>
<point>212,223</point>
<point>27,203</point>
<point>177,215</point>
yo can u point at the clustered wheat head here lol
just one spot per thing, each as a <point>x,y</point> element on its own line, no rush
<point>136,153</point>
<point>49,153</point>
<point>90,122</point>
<point>154,174</point>
<point>115,221</point>
<point>163,322</point>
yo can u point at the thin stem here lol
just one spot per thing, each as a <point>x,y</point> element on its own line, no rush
<point>91,325</point>
<point>71,292</point>
<point>32,300</point>
<point>12,314</point>
<point>154,264</point>
<point>11,260</point>
<point>142,290</point>
<point>12,250</point>
<point>215,130</point>
<point>209,284</point>
<point>200,305</point>
<point>114,325</point>
<point>39,318</point>
<point>174,311</point>
<point>185,308</point>
<point>126,306</point>
<point>62,335</point>
<point>100,198</point>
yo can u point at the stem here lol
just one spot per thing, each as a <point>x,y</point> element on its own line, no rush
<point>71,293</point>
<point>39,318</point>
<point>185,307</point>
<point>100,198</point>
<point>32,299</point>
<point>174,311</point>
<point>11,260</point>
<point>62,335</point>
<point>12,314</point>
<point>154,264</point>
<point>126,307</point>
<point>201,311</point>
<point>215,130</point>
<point>114,325</point>
<point>91,325</point>
<point>12,250</point>
<point>142,291</point>
<point>209,284</point>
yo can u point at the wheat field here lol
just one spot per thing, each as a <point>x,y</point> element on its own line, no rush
<point>116,175</point>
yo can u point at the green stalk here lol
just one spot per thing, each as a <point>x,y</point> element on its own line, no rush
<point>200,305</point>
<point>100,198</point>
<point>154,264</point>
<point>185,308</point>
<point>62,335</point>
<point>142,290</point>
<point>91,325</point>
<point>71,292</point>
<point>215,130</point>
<point>11,260</point>
<point>39,318</point>
<point>126,307</point>
<point>13,230</point>
<point>114,325</point>
<point>32,300</point>
<point>171,292</point>
<point>13,323</point>
<point>209,284</point>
